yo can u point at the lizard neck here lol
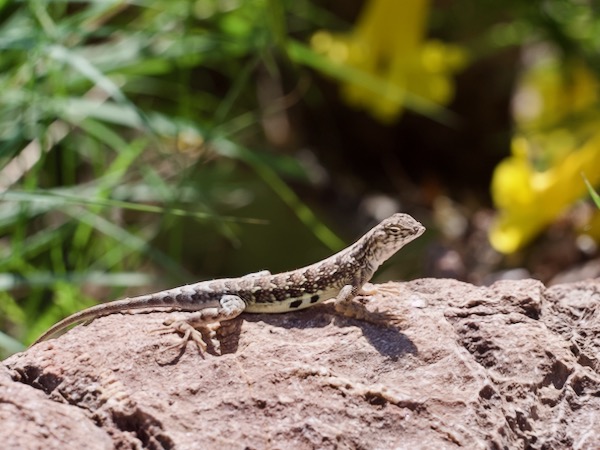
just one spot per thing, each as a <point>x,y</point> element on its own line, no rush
<point>366,254</point>
<point>357,263</point>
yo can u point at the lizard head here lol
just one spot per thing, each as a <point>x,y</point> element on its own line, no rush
<point>390,236</point>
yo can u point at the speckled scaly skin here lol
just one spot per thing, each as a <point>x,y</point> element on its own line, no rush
<point>341,276</point>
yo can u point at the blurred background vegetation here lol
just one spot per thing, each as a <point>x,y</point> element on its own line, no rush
<point>149,144</point>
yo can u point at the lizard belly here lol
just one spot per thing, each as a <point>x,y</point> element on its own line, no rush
<point>291,304</point>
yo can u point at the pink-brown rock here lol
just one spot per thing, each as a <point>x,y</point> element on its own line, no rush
<point>511,366</point>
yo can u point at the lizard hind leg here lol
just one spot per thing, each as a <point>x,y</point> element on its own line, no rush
<point>200,326</point>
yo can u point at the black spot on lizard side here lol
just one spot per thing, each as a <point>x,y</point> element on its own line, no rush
<point>296,304</point>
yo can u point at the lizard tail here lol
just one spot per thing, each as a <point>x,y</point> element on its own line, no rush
<point>105,309</point>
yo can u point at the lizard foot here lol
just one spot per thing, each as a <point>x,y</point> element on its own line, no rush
<point>200,326</point>
<point>201,336</point>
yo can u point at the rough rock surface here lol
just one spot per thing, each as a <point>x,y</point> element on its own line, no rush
<point>511,366</point>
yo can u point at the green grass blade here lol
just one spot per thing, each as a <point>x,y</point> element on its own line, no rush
<point>592,191</point>
<point>274,181</point>
<point>53,199</point>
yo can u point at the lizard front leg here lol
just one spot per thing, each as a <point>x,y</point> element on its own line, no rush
<point>208,320</point>
<point>345,304</point>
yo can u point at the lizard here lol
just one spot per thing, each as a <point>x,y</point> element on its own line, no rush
<point>341,276</point>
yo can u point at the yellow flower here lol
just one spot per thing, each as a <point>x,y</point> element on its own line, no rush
<point>558,142</point>
<point>387,43</point>
<point>529,200</point>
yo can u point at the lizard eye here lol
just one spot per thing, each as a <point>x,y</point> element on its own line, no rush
<point>394,231</point>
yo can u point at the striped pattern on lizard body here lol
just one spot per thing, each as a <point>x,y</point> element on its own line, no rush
<point>340,276</point>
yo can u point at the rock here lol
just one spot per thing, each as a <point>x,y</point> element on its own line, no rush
<point>510,366</point>
<point>32,420</point>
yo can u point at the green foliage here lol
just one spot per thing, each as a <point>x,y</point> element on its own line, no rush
<point>116,118</point>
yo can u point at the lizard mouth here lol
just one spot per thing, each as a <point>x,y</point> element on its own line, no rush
<point>419,230</point>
